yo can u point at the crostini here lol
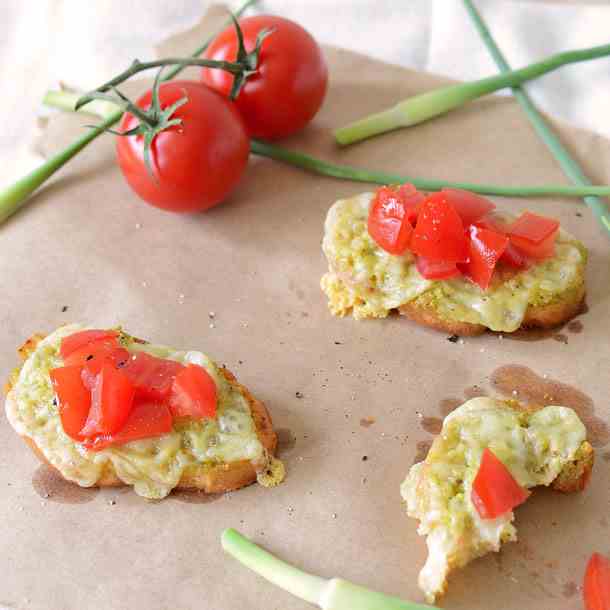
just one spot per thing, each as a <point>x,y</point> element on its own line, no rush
<point>479,468</point>
<point>106,409</point>
<point>450,261</point>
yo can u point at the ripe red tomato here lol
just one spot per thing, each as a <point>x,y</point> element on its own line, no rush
<point>197,163</point>
<point>290,85</point>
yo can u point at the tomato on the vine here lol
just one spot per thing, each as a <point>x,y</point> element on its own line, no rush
<point>195,164</point>
<point>289,86</point>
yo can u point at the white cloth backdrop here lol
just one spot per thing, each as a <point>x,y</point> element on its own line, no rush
<point>84,43</point>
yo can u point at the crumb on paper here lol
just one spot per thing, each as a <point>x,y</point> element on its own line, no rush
<point>334,515</point>
<point>138,225</point>
<point>299,394</point>
<point>211,314</point>
<point>453,339</point>
<point>212,325</point>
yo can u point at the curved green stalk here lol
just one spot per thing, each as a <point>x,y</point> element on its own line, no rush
<point>16,195</point>
<point>333,594</point>
<point>422,107</point>
<point>565,160</point>
<point>66,100</point>
<point>346,172</point>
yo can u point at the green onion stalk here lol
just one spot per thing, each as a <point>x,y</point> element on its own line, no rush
<point>425,106</point>
<point>333,594</point>
<point>16,195</point>
<point>66,100</point>
<point>563,157</point>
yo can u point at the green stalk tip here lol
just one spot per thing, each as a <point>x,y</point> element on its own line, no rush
<point>427,105</point>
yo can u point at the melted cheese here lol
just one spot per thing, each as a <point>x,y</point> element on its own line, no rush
<point>534,446</point>
<point>153,466</point>
<point>369,282</point>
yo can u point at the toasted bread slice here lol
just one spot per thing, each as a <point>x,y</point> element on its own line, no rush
<point>207,478</point>
<point>550,315</point>
<point>437,490</point>
<point>367,282</point>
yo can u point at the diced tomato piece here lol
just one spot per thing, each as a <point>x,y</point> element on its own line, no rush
<point>514,258</point>
<point>469,206</point>
<point>544,249</point>
<point>439,233</point>
<point>194,394</point>
<point>435,270</point>
<point>411,199</point>
<point>534,235</point>
<point>146,420</point>
<point>74,399</point>
<point>78,340</point>
<point>534,228</point>
<point>388,223</point>
<point>596,588</point>
<point>152,377</point>
<point>111,402</point>
<point>485,249</point>
<point>97,349</point>
<point>494,489</point>
<point>494,222</point>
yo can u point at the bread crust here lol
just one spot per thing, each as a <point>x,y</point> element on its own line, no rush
<point>218,478</point>
<point>536,316</point>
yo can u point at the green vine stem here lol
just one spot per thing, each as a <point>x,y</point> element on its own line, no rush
<point>422,107</point>
<point>66,100</point>
<point>565,160</point>
<point>17,194</point>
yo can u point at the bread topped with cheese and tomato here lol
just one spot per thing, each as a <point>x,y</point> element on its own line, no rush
<point>450,261</point>
<point>106,409</point>
<point>487,456</point>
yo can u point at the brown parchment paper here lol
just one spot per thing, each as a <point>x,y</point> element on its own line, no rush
<point>86,243</point>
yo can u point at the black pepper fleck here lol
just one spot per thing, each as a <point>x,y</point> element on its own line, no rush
<point>64,309</point>
<point>453,339</point>
<point>338,343</point>
<point>89,357</point>
<point>365,458</point>
<point>299,394</point>
<point>579,214</point>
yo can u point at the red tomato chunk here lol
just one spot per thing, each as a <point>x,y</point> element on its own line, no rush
<point>152,377</point>
<point>485,250</point>
<point>194,394</point>
<point>596,588</point>
<point>439,233</point>
<point>108,396</point>
<point>83,338</point>
<point>494,489</point>
<point>146,420</point>
<point>73,398</point>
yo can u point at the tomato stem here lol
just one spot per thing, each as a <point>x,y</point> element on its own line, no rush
<point>569,165</point>
<point>16,195</point>
<point>427,105</point>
